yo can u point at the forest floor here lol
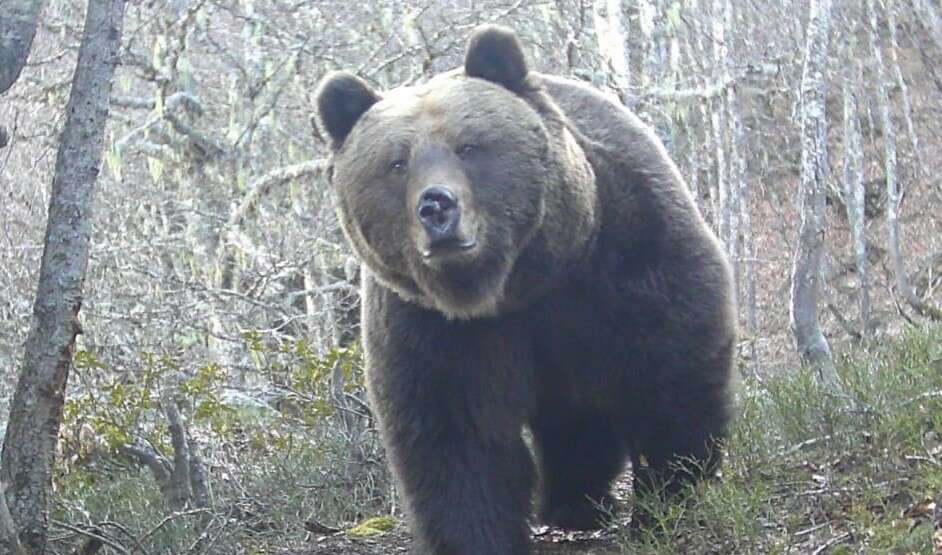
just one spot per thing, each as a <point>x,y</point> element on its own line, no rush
<point>809,470</point>
<point>398,541</point>
<point>546,540</point>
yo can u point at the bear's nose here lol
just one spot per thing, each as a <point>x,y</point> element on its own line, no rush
<point>439,213</point>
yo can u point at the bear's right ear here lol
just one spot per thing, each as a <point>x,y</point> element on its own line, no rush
<point>494,53</point>
<point>341,99</point>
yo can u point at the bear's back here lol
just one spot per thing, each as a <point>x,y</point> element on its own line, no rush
<point>605,121</point>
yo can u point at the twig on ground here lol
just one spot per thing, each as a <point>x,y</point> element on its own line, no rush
<point>832,542</point>
<point>803,445</point>
<point>814,528</point>
<point>169,518</point>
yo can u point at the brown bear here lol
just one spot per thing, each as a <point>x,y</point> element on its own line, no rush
<point>533,260</point>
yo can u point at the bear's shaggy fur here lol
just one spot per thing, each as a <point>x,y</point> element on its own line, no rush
<point>577,292</point>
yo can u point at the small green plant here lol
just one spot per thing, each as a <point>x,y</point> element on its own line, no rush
<point>273,461</point>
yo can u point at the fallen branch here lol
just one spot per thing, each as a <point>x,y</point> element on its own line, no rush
<point>832,542</point>
<point>94,534</point>
<point>802,445</point>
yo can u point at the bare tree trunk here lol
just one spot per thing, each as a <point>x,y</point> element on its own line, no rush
<point>180,488</point>
<point>929,49</point>
<point>719,127</point>
<point>18,20</point>
<point>892,182</point>
<point>742,245</point>
<point>651,61</point>
<point>737,166</point>
<point>904,89</point>
<point>927,11</point>
<point>36,410</point>
<point>854,187</point>
<point>812,345</point>
<point>607,18</point>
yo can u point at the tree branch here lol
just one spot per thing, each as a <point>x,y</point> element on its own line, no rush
<point>261,186</point>
<point>7,526</point>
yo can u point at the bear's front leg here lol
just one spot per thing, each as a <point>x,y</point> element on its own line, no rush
<point>451,397</point>
<point>464,496</point>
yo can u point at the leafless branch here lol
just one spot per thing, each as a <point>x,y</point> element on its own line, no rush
<point>93,533</point>
<point>7,526</point>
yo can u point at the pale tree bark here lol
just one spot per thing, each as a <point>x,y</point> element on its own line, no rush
<point>651,63</point>
<point>36,410</point>
<point>719,127</point>
<point>893,199</point>
<point>928,42</point>
<point>853,184</point>
<point>18,20</point>
<point>690,48</point>
<point>609,31</point>
<point>904,89</point>
<point>737,165</point>
<point>927,12</point>
<point>742,245</point>
<point>812,346</point>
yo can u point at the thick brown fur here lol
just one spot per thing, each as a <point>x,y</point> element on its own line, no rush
<point>594,306</point>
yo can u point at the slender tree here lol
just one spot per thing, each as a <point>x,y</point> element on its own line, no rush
<point>891,166</point>
<point>806,276</point>
<point>853,185</point>
<point>36,410</point>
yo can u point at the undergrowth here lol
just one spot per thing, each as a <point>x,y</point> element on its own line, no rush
<point>813,470</point>
<point>808,470</point>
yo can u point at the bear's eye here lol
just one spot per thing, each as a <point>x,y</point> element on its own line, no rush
<point>466,150</point>
<point>397,166</point>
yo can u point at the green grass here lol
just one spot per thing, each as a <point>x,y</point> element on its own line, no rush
<point>808,469</point>
<point>263,496</point>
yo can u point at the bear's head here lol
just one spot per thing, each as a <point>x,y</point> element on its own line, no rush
<point>468,194</point>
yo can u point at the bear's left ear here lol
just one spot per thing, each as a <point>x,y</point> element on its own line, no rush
<point>341,99</point>
<point>494,53</point>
